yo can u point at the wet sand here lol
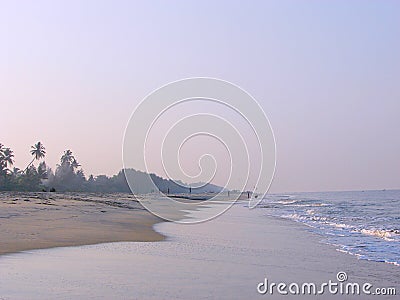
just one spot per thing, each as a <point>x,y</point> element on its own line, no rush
<point>225,258</point>
<point>46,220</point>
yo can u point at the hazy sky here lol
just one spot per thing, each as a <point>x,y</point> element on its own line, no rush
<point>327,73</point>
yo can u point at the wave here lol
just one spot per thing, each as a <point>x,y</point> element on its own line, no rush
<point>380,233</point>
<point>290,202</point>
<point>310,205</point>
<point>367,224</point>
<point>340,225</point>
<point>299,217</point>
<point>286,202</point>
<point>365,257</point>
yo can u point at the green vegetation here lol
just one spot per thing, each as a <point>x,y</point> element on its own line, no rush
<point>70,177</point>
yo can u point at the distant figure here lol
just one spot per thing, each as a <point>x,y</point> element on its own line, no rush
<point>168,191</point>
<point>248,195</point>
<point>190,190</point>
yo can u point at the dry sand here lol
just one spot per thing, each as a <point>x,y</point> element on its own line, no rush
<point>45,220</point>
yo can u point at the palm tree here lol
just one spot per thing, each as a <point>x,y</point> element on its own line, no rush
<point>6,159</point>
<point>8,156</point>
<point>3,168</point>
<point>2,149</point>
<point>75,164</point>
<point>38,151</point>
<point>67,158</point>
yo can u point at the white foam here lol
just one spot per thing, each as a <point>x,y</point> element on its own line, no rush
<point>384,234</point>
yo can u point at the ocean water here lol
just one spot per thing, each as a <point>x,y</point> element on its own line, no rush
<point>361,223</point>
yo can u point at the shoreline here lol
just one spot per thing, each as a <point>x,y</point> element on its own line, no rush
<point>320,239</point>
<point>108,218</point>
<point>224,258</point>
<point>92,219</point>
<point>30,221</point>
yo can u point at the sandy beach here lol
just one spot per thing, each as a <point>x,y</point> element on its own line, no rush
<point>45,220</point>
<point>225,258</point>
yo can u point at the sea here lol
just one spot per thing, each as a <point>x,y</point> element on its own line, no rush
<point>361,223</point>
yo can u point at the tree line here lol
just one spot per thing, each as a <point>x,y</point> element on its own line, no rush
<point>70,177</point>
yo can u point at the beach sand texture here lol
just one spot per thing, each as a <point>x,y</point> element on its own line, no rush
<point>45,220</point>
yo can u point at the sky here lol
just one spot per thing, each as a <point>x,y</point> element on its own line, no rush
<point>325,72</point>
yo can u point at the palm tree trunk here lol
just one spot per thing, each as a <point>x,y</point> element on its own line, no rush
<point>29,164</point>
